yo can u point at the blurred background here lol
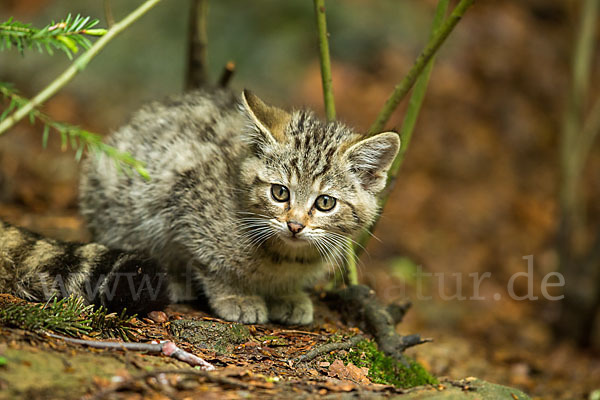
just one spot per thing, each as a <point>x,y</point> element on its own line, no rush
<point>479,190</point>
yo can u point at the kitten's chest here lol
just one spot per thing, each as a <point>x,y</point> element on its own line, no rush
<point>274,274</point>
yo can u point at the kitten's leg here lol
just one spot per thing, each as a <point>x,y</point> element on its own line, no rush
<point>292,309</point>
<point>230,304</point>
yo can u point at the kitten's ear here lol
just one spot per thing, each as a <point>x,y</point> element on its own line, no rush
<point>370,159</point>
<point>270,121</point>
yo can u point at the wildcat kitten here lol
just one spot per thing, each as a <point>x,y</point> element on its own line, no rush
<point>246,202</point>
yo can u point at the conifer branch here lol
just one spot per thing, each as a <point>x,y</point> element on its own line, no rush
<point>325,60</point>
<point>67,35</point>
<point>69,316</point>
<point>76,67</point>
<point>402,89</point>
<point>78,139</point>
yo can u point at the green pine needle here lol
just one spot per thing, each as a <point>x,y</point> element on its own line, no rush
<point>68,316</point>
<point>68,35</point>
<point>71,136</point>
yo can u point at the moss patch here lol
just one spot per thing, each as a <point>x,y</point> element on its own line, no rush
<point>384,369</point>
<point>211,335</point>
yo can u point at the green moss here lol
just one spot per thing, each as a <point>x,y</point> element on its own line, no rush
<point>221,338</point>
<point>384,369</point>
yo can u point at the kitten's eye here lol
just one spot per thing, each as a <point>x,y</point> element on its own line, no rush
<point>280,192</point>
<point>325,203</point>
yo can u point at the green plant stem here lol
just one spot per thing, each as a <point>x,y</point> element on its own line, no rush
<point>579,268</point>
<point>416,101</point>
<point>108,14</point>
<point>590,130</point>
<point>428,52</point>
<point>352,264</point>
<point>574,139</point>
<point>325,60</point>
<point>77,66</point>
<point>408,124</point>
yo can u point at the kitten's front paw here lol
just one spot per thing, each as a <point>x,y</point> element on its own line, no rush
<point>295,309</point>
<point>244,309</point>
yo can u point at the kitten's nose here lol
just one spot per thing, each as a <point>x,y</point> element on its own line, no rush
<point>295,226</point>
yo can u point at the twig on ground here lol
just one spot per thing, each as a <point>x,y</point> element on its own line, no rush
<point>358,302</point>
<point>296,331</point>
<point>209,376</point>
<point>329,347</point>
<point>167,348</point>
<point>227,74</point>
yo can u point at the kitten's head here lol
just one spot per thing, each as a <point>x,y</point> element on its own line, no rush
<point>310,183</point>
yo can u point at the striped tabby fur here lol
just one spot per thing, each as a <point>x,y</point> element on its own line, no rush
<point>38,268</point>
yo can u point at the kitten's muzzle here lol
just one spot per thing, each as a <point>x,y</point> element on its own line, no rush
<point>295,227</point>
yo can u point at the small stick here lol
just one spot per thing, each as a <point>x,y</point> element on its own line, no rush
<point>166,347</point>
<point>209,376</point>
<point>329,347</point>
<point>292,331</point>
<point>227,74</point>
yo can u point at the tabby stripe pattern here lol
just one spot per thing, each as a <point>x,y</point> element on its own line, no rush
<point>37,268</point>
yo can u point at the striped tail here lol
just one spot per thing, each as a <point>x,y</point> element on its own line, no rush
<point>37,268</point>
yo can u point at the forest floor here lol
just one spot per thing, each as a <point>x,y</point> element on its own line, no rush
<point>258,361</point>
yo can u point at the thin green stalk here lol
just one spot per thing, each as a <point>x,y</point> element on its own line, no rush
<point>590,130</point>
<point>415,102</point>
<point>572,158</point>
<point>108,14</point>
<point>402,89</point>
<point>410,119</point>
<point>582,289</point>
<point>77,66</point>
<point>351,264</point>
<point>325,61</point>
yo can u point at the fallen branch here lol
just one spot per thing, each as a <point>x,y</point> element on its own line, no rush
<point>209,376</point>
<point>358,302</point>
<point>167,348</point>
<point>328,348</point>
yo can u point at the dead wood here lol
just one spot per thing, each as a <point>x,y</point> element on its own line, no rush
<point>359,304</point>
